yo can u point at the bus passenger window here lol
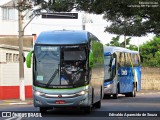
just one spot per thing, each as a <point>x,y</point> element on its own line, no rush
<point>121,59</point>
<point>128,63</point>
<point>136,60</point>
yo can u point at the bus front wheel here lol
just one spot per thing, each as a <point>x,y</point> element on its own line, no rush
<point>97,104</point>
<point>133,93</point>
<point>87,109</point>
<point>115,96</point>
<point>44,109</point>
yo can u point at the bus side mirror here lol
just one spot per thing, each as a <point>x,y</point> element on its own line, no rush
<point>28,59</point>
<point>91,64</point>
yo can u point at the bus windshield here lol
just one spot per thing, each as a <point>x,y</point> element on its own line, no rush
<point>107,63</point>
<point>59,66</point>
<point>74,55</point>
<point>47,60</point>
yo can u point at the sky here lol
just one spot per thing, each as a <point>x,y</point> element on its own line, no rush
<point>94,24</point>
<point>97,27</point>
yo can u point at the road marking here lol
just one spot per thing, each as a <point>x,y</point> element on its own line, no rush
<point>14,118</point>
<point>10,118</point>
<point>19,118</point>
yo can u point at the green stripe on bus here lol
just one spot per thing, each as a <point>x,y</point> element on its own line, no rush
<point>59,88</point>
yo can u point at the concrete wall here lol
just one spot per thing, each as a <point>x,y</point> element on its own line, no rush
<point>9,73</point>
<point>150,78</point>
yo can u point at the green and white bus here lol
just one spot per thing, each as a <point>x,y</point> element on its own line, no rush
<point>68,70</point>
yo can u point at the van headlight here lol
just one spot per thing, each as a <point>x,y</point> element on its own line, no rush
<point>38,93</point>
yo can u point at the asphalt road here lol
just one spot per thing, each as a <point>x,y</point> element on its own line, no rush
<point>147,105</point>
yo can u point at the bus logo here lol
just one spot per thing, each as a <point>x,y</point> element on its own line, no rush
<point>60,96</point>
<point>123,72</point>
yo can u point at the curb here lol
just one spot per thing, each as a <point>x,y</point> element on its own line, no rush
<point>149,92</point>
<point>15,102</point>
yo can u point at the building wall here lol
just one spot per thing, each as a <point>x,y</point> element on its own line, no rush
<point>150,78</point>
<point>10,26</point>
<point>9,76</point>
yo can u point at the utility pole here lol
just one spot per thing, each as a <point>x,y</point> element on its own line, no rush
<point>85,19</point>
<point>21,55</point>
<point>22,4</point>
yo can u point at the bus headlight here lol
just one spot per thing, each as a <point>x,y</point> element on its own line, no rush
<point>38,93</point>
<point>83,92</point>
<point>109,85</point>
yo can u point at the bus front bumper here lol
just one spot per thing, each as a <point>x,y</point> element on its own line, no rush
<point>41,101</point>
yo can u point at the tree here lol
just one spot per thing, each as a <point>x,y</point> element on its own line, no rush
<point>128,17</point>
<point>150,52</point>
<point>115,42</point>
<point>55,5</point>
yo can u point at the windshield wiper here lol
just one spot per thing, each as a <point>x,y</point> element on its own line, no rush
<point>52,77</point>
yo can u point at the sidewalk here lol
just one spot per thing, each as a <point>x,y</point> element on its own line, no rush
<point>30,100</point>
<point>149,92</point>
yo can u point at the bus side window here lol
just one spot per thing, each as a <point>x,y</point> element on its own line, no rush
<point>127,59</point>
<point>137,60</point>
<point>122,59</point>
<point>113,65</point>
<point>118,60</point>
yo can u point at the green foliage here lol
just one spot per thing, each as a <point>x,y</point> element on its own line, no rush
<point>128,17</point>
<point>115,42</point>
<point>56,5</point>
<point>150,52</point>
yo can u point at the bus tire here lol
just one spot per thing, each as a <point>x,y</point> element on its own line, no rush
<point>127,94</point>
<point>87,109</point>
<point>44,109</point>
<point>106,96</point>
<point>97,104</point>
<point>115,96</point>
<point>133,93</point>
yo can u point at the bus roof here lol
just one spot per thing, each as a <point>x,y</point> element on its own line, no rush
<point>64,37</point>
<point>108,50</point>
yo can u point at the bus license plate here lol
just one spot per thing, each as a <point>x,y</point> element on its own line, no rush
<point>60,101</point>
